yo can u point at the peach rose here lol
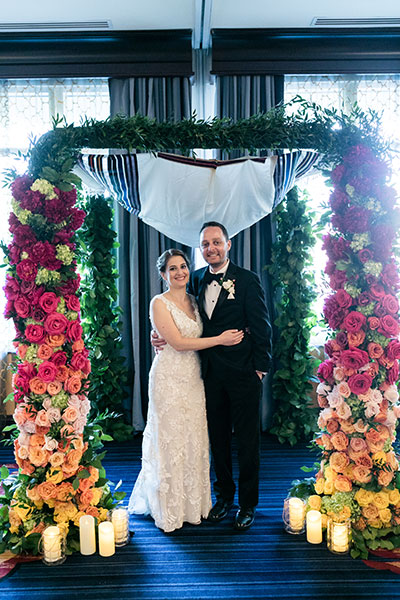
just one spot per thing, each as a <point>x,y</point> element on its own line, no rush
<point>344,389</point>
<point>23,452</point>
<point>73,457</point>
<point>355,338</point>
<point>56,459</point>
<point>87,497</point>
<point>70,414</point>
<point>77,444</point>
<point>385,477</point>
<point>78,346</point>
<point>33,494</point>
<point>44,352</point>
<point>21,351</point>
<point>62,373</point>
<point>85,484</point>
<point>375,350</point>
<point>37,386</point>
<point>55,340</point>
<point>47,490</point>
<point>358,444</point>
<point>364,460</point>
<point>339,441</point>
<point>65,491</point>
<point>38,456</point>
<point>362,474</point>
<point>73,385</point>
<point>93,511</point>
<point>339,461</point>
<point>360,426</point>
<point>54,388</point>
<point>338,373</point>
<point>344,411</point>
<point>370,512</point>
<point>37,440</point>
<point>375,447</point>
<point>343,484</point>
<point>42,419</point>
<point>373,435</point>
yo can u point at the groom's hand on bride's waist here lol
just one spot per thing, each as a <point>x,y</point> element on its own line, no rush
<point>156,341</point>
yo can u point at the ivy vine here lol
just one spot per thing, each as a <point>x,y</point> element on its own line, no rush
<point>101,322</point>
<point>295,416</point>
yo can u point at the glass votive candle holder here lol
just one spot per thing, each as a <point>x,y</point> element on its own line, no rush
<point>338,536</point>
<point>53,546</point>
<point>119,517</point>
<point>294,512</point>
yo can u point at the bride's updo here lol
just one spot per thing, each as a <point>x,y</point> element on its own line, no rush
<point>162,260</point>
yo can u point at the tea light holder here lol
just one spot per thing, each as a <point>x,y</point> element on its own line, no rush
<point>294,512</point>
<point>120,519</point>
<point>338,536</point>
<point>53,546</point>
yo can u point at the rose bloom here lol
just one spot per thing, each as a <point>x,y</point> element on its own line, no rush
<point>338,373</point>
<point>59,358</point>
<point>38,456</point>
<point>364,460</point>
<point>355,338</point>
<point>392,461</point>
<point>54,388</point>
<point>344,411</point>
<point>375,446</point>
<point>339,440</point>
<point>322,401</point>
<point>385,515</point>
<point>394,496</point>
<point>381,500</point>
<point>79,424</point>
<point>49,302</point>
<point>47,490</point>
<point>389,326</point>
<point>74,331</point>
<point>35,334</point>
<point>37,386</point>
<point>391,304</point>
<point>22,307</point>
<point>78,346</point>
<point>62,373</point>
<point>358,444</point>
<point>42,419</point>
<point>362,474</point>
<point>73,385</point>
<point>70,414</point>
<point>354,321</point>
<point>338,461</point>
<point>65,491</point>
<point>27,270</point>
<point>44,352</point>
<point>23,452</point>
<point>375,350</point>
<point>370,511</point>
<point>385,478</point>
<point>50,443</point>
<point>55,340</point>
<point>342,484</point>
<point>332,426</point>
<point>359,383</point>
<point>55,323</point>
<point>73,303</point>
<point>54,414</point>
<point>393,350</point>
<point>85,484</point>
<point>47,371</point>
<point>343,389</point>
<point>354,359</point>
<point>347,426</point>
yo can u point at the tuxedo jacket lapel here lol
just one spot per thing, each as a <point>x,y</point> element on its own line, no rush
<point>202,291</point>
<point>230,274</point>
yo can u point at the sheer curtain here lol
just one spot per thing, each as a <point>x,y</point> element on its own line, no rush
<point>238,97</point>
<point>161,98</point>
<point>27,108</point>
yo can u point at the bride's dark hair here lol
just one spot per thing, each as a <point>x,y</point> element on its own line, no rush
<point>162,260</point>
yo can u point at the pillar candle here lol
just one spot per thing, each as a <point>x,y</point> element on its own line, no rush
<point>296,514</point>
<point>120,520</point>
<point>52,544</point>
<point>314,527</point>
<point>340,537</point>
<point>87,536</point>
<point>106,539</point>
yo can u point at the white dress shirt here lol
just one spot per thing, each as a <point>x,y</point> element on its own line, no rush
<point>213,291</point>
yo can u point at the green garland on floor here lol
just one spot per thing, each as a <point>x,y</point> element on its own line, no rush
<point>295,417</point>
<point>101,318</point>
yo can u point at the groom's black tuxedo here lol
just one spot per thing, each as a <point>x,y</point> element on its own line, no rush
<point>233,388</point>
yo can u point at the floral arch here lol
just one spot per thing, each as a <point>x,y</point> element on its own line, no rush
<point>60,474</point>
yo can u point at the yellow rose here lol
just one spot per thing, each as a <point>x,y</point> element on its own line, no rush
<point>97,494</point>
<point>363,497</point>
<point>39,504</point>
<point>24,512</point>
<point>324,521</point>
<point>329,488</point>
<point>314,502</point>
<point>370,512</point>
<point>381,500</point>
<point>394,496</point>
<point>55,475</point>
<point>319,485</point>
<point>385,515</point>
<point>103,513</point>
<point>345,513</point>
<point>379,457</point>
<point>377,523</point>
<point>328,473</point>
<point>51,502</point>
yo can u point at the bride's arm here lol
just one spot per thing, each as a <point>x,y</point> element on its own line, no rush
<point>165,325</point>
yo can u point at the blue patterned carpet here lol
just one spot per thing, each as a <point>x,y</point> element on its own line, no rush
<point>207,561</point>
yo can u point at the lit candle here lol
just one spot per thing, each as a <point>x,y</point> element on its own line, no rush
<point>340,537</point>
<point>106,539</point>
<point>120,520</point>
<point>52,544</point>
<point>314,527</point>
<point>296,514</point>
<point>87,536</point>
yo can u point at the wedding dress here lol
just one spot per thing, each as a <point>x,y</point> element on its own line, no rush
<point>173,485</point>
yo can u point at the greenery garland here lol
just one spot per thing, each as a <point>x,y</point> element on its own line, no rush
<point>295,417</point>
<point>327,131</point>
<point>101,323</point>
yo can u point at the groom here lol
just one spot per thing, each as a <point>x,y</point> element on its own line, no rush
<point>230,297</point>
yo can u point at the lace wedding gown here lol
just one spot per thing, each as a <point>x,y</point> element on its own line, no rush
<point>174,483</point>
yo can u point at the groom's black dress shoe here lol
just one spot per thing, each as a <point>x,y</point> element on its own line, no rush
<point>244,518</point>
<point>220,510</point>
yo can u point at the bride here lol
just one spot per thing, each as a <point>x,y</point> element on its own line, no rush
<point>173,485</point>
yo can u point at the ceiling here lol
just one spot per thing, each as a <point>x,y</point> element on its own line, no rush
<point>191,14</point>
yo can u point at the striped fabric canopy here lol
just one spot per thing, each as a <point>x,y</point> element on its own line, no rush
<point>177,194</point>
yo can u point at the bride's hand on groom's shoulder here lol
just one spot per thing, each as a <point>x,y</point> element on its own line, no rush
<point>156,341</point>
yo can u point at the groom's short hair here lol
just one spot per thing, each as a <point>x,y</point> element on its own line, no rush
<point>215,224</point>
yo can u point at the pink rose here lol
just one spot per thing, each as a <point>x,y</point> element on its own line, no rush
<point>47,371</point>
<point>74,331</point>
<point>391,304</point>
<point>55,323</point>
<point>73,303</point>
<point>393,350</point>
<point>359,383</point>
<point>49,302</point>
<point>59,358</point>
<point>393,373</point>
<point>389,326</point>
<point>79,362</point>
<point>376,291</point>
<point>22,307</point>
<point>325,371</point>
<point>35,334</point>
<point>354,321</point>
<point>343,299</point>
<point>354,359</point>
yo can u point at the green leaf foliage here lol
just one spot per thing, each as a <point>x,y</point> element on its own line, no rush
<point>101,323</point>
<point>295,417</point>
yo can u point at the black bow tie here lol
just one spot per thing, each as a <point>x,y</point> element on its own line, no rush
<point>210,277</point>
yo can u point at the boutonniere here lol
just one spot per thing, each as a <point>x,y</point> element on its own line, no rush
<point>229,286</point>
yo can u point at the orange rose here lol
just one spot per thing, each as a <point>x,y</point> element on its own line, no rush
<point>347,426</point>
<point>372,435</point>
<point>47,490</point>
<point>65,491</point>
<point>37,386</point>
<point>375,350</point>
<point>87,497</point>
<point>78,346</point>
<point>385,477</point>
<point>54,388</point>
<point>338,461</point>
<point>56,459</point>
<point>62,373</point>
<point>93,511</point>
<point>342,484</point>
<point>38,456</point>
<point>339,441</point>
<point>44,352</point>
<point>73,385</point>
<point>33,494</point>
<point>73,458</point>
<point>55,340</point>
<point>70,414</point>
<point>37,440</point>
<point>370,512</point>
<point>356,338</point>
<point>77,443</point>
<point>362,474</point>
<point>22,351</point>
<point>364,460</point>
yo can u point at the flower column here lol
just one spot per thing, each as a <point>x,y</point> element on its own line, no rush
<point>357,393</point>
<point>55,482</point>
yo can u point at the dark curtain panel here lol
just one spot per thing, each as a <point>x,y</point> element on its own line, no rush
<point>162,98</point>
<point>239,97</point>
